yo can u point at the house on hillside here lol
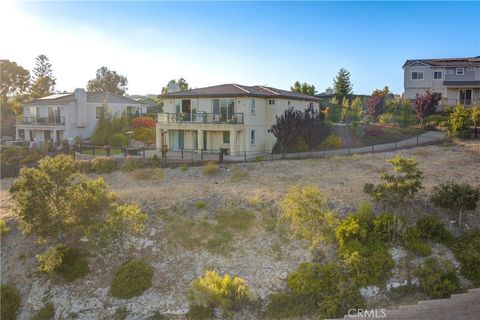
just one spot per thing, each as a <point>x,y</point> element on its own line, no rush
<point>457,79</point>
<point>231,116</point>
<point>66,116</point>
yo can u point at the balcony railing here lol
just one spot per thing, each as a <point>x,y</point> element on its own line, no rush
<point>41,121</point>
<point>200,117</point>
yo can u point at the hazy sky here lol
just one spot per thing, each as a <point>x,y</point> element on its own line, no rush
<point>208,43</point>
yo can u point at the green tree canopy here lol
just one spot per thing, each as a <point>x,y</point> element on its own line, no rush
<point>182,85</point>
<point>381,93</point>
<point>14,83</point>
<point>108,80</point>
<point>304,88</point>
<point>43,81</point>
<point>342,85</point>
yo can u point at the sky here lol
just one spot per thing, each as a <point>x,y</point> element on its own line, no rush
<point>250,43</point>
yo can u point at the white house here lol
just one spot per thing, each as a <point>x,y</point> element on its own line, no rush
<point>231,116</point>
<point>66,116</point>
<point>457,79</point>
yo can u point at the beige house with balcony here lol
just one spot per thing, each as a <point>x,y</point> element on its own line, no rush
<point>65,116</point>
<point>457,79</point>
<point>234,117</point>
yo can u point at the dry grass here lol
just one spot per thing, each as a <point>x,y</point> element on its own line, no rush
<point>148,174</point>
<point>210,169</point>
<point>239,174</point>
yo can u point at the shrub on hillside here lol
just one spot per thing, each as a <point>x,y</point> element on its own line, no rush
<point>214,291</point>
<point>118,140</point>
<point>64,261</point>
<point>430,227</point>
<point>196,312</point>
<point>385,118</point>
<point>210,168</point>
<point>84,166</point>
<point>467,251</point>
<point>9,302</point>
<point>131,279</point>
<point>438,278</point>
<point>4,229</point>
<point>46,313</point>
<point>332,141</point>
<point>414,243</point>
<point>103,165</point>
<point>458,124</point>
<point>131,165</point>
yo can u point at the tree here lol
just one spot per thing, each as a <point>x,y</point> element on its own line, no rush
<point>307,211</point>
<point>14,83</point>
<point>305,88</point>
<point>287,128</point>
<point>43,81</point>
<point>342,85</point>
<point>397,187</point>
<point>108,80</point>
<point>375,106</point>
<point>459,122</point>
<point>334,110</point>
<point>109,129</point>
<point>55,202</point>
<point>381,93</point>
<point>182,85</point>
<point>456,197</point>
<point>426,103</point>
<point>314,129</point>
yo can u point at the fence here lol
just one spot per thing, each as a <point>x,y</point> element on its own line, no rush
<point>197,157</point>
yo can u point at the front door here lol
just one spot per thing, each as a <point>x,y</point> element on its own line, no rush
<point>466,97</point>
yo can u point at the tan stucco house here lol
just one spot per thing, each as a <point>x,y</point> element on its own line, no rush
<point>65,116</point>
<point>457,79</point>
<point>231,116</point>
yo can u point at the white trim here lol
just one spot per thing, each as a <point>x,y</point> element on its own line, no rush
<point>459,74</point>
<point>415,62</point>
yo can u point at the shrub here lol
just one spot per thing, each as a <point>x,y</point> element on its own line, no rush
<point>307,211</point>
<point>389,227</point>
<point>131,165</point>
<point>386,118</point>
<point>459,122</point>
<point>143,122</point>
<point>196,312</point>
<point>10,302</point>
<point>436,119</point>
<point>118,140</point>
<point>467,251</point>
<point>214,291</point>
<point>84,166</point>
<point>103,165</point>
<point>184,167</point>
<point>46,313</point>
<point>148,174</point>
<point>65,261</point>
<point>332,141</point>
<point>200,204</point>
<point>438,278</point>
<point>31,158</point>
<point>131,279</point>
<point>412,242</point>
<point>260,158</point>
<point>146,135</point>
<point>210,168</point>
<point>239,174</point>
<point>430,227</point>
<point>4,229</point>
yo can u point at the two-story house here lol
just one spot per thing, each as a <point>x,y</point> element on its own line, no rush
<point>230,116</point>
<point>65,116</point>
<point>457,79</point>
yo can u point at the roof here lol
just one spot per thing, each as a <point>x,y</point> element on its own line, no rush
<point>237,90</point>
<point>461,83</point>
<point>447,62</point>
<point>65,98</point>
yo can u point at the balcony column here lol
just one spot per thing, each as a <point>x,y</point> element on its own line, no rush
<point>54,137</point>
<point>200,139</point>
<point>158,139</point>
<point>233,141</point>
<point>17,134</point>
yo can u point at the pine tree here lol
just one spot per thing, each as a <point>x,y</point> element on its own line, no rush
<point>44,81</point>
<point>342,85</point>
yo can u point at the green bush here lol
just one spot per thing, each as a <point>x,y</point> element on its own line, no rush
<point>9,303</point>
<point>385,118</point>
<point>210,168</point>
<point>214,291</point>
<point>118,140</point>
<point>196,312</point>
<point>414,243</point>
<point>459,122</point>
<point>430,227</point>
<point>438,278</point>
<point>131,165</point>
<point>200,204</point>
<point>104,165</point>
<point>46,313</point>
<point>84,166</point>
<point>4,229</point>
<point>184,167</point>
<point>65,261</point>
<point>467,251</point>
<point>131,279</point>
<point>435,119</point>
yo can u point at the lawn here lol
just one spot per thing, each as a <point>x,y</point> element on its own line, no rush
<point>380,135</point>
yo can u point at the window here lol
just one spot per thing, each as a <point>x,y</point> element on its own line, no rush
<point>448,71</point>
<point>252,137</point>
<point>460,71</point>
<point>226,136</point>
<point>216,106</point>
<point>271,101</point>
<point>252,107</point>
<point>34,112</point>
<point>417,75</point>
<point>470,69</point>
<point>437,75</point>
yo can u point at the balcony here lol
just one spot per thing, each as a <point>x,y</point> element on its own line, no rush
<point>41,121</point>
<point>200,117</point>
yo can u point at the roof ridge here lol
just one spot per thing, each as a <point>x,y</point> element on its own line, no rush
<point>239,87</point>
<point>270,90</point>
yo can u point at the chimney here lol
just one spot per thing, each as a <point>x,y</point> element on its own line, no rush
<point>81,107</point>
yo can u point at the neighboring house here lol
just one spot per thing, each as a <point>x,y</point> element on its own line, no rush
<point>230,116</point>
<point>457,79</point>
<point>150,101</point>
<point>65,116</point>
